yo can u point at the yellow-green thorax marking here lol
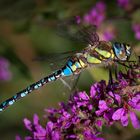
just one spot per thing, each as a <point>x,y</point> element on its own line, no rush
<point>100,53</point>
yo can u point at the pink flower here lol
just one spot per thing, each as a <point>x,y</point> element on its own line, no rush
<point>96,15</point>
<point>5,73</point>
<point>85,113</point>
<point>134,120</point>
<point>136,29</point>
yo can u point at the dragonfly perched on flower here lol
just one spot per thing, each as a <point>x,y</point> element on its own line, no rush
<point>95,53</point>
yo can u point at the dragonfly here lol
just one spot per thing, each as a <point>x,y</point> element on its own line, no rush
<point>96,52</point>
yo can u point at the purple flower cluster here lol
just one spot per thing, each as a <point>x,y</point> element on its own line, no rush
<point>5,74</point>
<point>136,29</point>
<point>84,115</point>
<point>108,36</point>
<point>96,15</point>
<point>107,32</point>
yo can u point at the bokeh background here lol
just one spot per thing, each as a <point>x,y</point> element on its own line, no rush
<point>28,30</point>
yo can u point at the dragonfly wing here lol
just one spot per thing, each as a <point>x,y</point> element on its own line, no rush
<point>78,32</point>
<point>55,60</point>
<point>53,56</point>
<point>71,82</point>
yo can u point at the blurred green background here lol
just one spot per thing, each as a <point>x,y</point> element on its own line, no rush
<point>27,30</point>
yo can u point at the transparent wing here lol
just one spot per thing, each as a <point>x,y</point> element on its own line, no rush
<point>70,82</point>
<point>55,60</point>
<point>54,56</point>
<point>78,32</point>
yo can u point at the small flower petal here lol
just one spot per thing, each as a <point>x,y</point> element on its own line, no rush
<point>28,124</point>
<point>103,105</point>
<point>49,127</point>
<point>134,120</point>
<point>83,96</point>
<point>55,135</point>
<point>99,123</point>
<point>28,138</point>
<point>124,120</point>
<point>118,114</point>
<point>18,137</point>
<point>93,90</point>
<point>36,119</point>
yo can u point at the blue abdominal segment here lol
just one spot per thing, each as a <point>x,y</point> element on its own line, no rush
<point>66,71</point>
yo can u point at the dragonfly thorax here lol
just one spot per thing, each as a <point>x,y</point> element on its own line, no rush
<point>99,53</point>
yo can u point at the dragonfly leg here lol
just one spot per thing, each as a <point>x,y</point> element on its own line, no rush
<point>126,66</point>
<point>110,76</point>
<point>111,84</point>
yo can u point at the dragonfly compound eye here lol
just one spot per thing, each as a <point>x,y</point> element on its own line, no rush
<point>121,51</point>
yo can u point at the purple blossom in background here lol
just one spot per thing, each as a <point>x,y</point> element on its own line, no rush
<point>107,35</point>
<point>5,73</point>
<point>83,116</point>
<point>96,15</point>
<point>107,32</point>
<point>136,29</point>
<point>123,3</point>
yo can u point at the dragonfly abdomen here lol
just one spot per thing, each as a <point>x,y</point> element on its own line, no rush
<point>73,66</point>
<point>26,91</point>
<point>69,69</point>
<point>29,89</point>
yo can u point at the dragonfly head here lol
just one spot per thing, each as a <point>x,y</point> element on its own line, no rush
<point>122,51</point>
